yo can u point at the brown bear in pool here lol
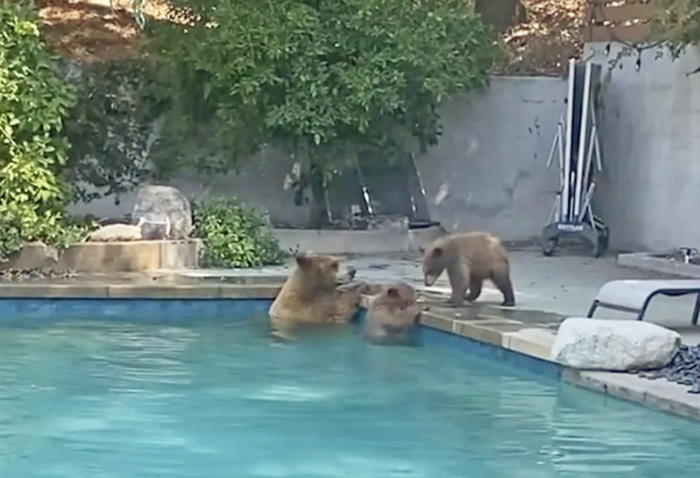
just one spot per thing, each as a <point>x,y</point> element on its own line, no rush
<point>393,316</point>
<point>469,258</point>
<point>319,294</point>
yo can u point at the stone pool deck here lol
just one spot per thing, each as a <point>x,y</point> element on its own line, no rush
<point>547,291</point>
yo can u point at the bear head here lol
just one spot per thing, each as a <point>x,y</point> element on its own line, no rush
<point>394,316</point>
<point>324,271</point>
<point>435,261</point>
<point>398,295</point>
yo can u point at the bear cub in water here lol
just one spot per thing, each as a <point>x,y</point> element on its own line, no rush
<point>393,316</point>
<point>319,293</point>
<point>469,258</point>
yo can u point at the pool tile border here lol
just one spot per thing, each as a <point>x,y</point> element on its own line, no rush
<point>634,389</point>
<point>524,345</point>
<point>529,346</point>
<point>139,291</point>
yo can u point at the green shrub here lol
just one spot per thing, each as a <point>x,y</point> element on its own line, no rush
<point>234,234</point>
<point>34,101</point>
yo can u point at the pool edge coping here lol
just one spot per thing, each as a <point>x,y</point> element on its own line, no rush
<point>509,335</point>
<point>139,291</point>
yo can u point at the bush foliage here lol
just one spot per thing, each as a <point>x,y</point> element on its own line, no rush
<point>234,234</point>
<point>34,101</point>
<point>677,23</point>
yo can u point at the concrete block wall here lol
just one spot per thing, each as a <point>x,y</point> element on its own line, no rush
<point>489,170</point>
<point>650,189</point>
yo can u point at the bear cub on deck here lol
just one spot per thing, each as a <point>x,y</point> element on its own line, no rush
<point>469,258</point>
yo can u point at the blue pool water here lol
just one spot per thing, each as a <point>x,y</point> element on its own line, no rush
<point>91,399</point>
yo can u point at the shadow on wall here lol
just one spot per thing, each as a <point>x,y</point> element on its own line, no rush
<point>489,170</point>
<point>261,183</point>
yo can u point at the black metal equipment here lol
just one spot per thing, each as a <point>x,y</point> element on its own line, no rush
<point>577,145</point>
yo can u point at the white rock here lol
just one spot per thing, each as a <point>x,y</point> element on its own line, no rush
<point>116,233</point>
<point>613,345</point>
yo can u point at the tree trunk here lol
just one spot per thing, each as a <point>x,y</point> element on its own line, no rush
<point>319,214</point>
<point>500,14</point>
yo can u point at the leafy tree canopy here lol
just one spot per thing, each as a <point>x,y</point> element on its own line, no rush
<point>34,101</point>
<point>323,77</point>
<point>677,23</point>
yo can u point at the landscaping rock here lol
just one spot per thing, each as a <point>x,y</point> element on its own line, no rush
<point>116,233</point>
<point>154,226</point>
<point>28,275</point>
<point>614,345</point>
<point>155,206</point>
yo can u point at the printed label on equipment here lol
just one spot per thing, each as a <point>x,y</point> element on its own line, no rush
<point>570,227</point>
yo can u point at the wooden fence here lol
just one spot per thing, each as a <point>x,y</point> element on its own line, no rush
<point>619,20</point>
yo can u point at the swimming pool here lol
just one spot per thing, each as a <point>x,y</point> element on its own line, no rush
<point>101,399</point>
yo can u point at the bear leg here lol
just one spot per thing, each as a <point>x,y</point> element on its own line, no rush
<point>282,332</point>
<point>458,283</point>
<point>475,284</point>
<point>501,279</point>
<point>347,302</point>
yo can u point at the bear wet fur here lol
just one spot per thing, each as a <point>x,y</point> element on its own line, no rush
<point>393,316</point>
<point>469,258</point>
<point>319,293</point>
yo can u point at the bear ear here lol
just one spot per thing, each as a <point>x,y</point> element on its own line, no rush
<point>437,252</point>
<point>303,260</point>
<point>392,292</point>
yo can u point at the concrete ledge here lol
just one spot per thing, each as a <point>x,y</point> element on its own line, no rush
<point>536,339</point>
<point>371,241</point>
<point>505,333</point>
<point>105,257</point>
<point>661,395</point>
<point>139,291</point>
<point>646,261</point>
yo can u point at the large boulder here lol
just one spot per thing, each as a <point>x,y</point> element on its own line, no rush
<point>614,345</point>
<point>162,208</point>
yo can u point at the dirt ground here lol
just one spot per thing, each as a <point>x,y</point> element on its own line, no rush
<point>92,30</point>
<point>551,34</point>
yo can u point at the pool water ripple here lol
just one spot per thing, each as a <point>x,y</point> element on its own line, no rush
<point>88,399</point>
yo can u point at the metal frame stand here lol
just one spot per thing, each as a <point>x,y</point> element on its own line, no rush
<point>572,214</point>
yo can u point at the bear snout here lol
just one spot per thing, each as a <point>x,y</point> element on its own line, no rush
<point>429,279</point>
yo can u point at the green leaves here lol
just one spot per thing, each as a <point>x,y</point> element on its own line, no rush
<point>33,103</point>
<point>110,128</point>
<point>330,76</point>
<point>234,235</point>
<point>677,23</point>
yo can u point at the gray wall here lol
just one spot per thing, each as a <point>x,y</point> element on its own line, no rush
<point>491,161</point>
<point>650,190</point>
<point>489,170</point>
<point>260,183</point>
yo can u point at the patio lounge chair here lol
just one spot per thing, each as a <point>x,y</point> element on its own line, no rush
<point>634,296</point>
